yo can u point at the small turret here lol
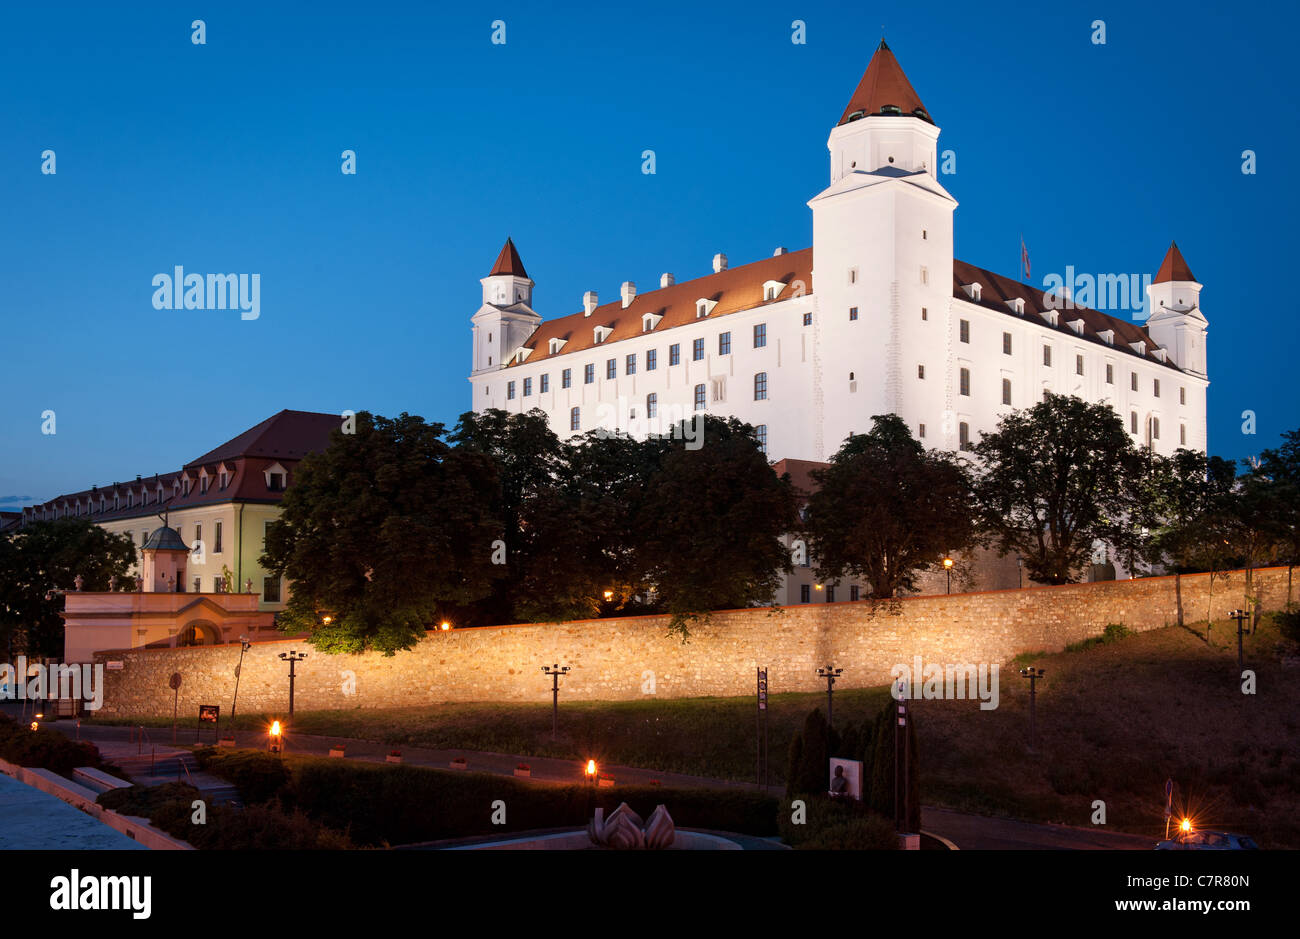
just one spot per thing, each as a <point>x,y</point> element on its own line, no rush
<point>1174,318</point>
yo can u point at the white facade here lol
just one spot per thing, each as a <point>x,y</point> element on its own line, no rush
<point>876,317</point>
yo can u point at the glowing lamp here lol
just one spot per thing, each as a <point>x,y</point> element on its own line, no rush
<point>1185,824</point>
<point>609,595</point>
<point>328,620</point>
<point>275,728</point>
<point>591,767</point>
<point>445,626</point>
<point>947,563</point>
<point>35,726</point>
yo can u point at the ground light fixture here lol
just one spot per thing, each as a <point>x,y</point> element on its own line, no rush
<point>275,738</point>
<point>590,771</point>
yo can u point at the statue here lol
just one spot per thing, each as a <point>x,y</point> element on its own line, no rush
<point>112,582</point>
<point>248,585</point>
<point>624,830</point>
<point>139,584</point>
<point>79,581</point>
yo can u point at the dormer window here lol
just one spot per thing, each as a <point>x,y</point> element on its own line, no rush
<point>277,477</point>
<point>974,291</point>
<point>1162,355</point>
<point>1017,306</point>
<point>556,345</point>
<point>601,333</point>
<point>1107,336</point>
<point>650,321</point>
<point>772,288</point>
<point>704,306</point>
<point>1139,347</point>
<point>1077,326</point>
<point>522,353</point>
<point>1051,316</point>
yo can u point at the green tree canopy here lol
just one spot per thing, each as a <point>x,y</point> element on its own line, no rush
<point>1055,478</point>
<point>381,531</point>
<point>45,557</point>
<point>887,508</point>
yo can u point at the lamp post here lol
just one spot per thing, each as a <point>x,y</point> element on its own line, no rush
<point>1240,617</point>
<point>1033,674</point>
<point>274,739</point>
<point>830,673</point>
<point>293,657</point>
<point>947,566</point>
<point>244,646</point>
<point>555,672</point>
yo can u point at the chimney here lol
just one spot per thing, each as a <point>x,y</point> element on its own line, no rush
<point>719,263</point>
<point>778,252</point>
<point>628,292</point>
<point>667,280</point>
<point>589,303</point>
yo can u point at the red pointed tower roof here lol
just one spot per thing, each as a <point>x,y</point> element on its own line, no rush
<point>884,85</point>
<point>508,262</point>
<point>1174,267</point>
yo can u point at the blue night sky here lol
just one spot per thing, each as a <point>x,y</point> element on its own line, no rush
<point>226,158</point>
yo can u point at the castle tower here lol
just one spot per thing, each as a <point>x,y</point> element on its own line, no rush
<point>1175,320</point>
<point>162,565</point>
<point>506,317</point>
<point>883,252</point>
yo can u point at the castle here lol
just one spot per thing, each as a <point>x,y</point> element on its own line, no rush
<point>876,317</point>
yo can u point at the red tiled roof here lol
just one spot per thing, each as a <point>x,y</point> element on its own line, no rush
<point>1173,267</point>
<point>735,289</point>
<point>996,290</point>
<point>508,262</point>
<point>287,435</point>
<point>800,475</point>
<point>884,84</point>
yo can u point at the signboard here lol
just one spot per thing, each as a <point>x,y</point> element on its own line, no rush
<point>846,779</point>
<point>208,713</point>
<point>114,666</point>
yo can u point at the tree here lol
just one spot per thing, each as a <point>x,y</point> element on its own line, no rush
<point>884,760</point>
<point>380,532</point>
<point>1281,468</point>
<point>527,458</point>
<point>45,557</point>
<point>580,534</point>
<point>886,508</point>
<point>712,522</point>
<point>1055,478</point>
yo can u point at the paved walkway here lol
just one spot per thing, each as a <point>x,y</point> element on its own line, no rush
<point>31,820</point>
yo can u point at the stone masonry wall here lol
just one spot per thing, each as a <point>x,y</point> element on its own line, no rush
<point>612,658</point>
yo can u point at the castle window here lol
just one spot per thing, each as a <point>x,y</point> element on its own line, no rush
<point>588,373</point>
<point>510,391</point>
<point>1182,399</point>
<point>1133,422</point>
<point>807,319</point>
<point>719,386</point>
<point>724,343</point>
<point>964,330</point>
<point>629,364</point>
<point>963,436</point>
<point>1110,374</point>
<point>920,371</point>
<point>921,431</point>
<point>1156,388</point>
<point>216,539</point>
<point>760,334</point>
<point>853,313</point>
<point>675,354</point>
<point>805,593</point>
<point>611,368</point>
<point>760,386</point>
<point>925,314</point>
<point>651,359</point>
<point>1006,391</point>
<point>761,433</point>
<point>270,589</point>
<point>697,350</point>
<point>1078,365</point>
<point>566,378</point>
<point>1047,355</point>
<point>1006,343</point>
<point>853,275</point>
<point>1155,428</point>
<point>652,405</point>
<point>1133,381</point>
<point>528,387</point>
<point>544,384</point>
<point>699,397</point>
<point>574,419</point>
<point>1182,434</point>
<point>965,381</point>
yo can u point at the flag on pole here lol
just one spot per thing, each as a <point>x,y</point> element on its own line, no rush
<point>1024,259</point>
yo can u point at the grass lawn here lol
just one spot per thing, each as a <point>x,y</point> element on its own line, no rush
<point>1115,719</point>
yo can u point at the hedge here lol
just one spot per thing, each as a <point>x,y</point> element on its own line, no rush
<point>45,749</point>
<point>377,804</point>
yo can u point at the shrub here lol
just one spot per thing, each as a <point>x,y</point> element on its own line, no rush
<point>1288,622</point>
<point>44,748</point>
<point>834,824</point>
<point>883,761</point>
<point>259,777</point>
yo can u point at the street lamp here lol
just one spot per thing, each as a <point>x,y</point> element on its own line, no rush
<point>830,673</point>
<point>244,646</point>
<point>1033,674</point>
<point>293,657</point>
<point>1240,617</point>
<point>590,771</point>
<point>947,566</point>
<point>274,738</point>
<point>555,672</point>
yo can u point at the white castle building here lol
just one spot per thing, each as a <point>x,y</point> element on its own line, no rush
<point>876,317</point>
